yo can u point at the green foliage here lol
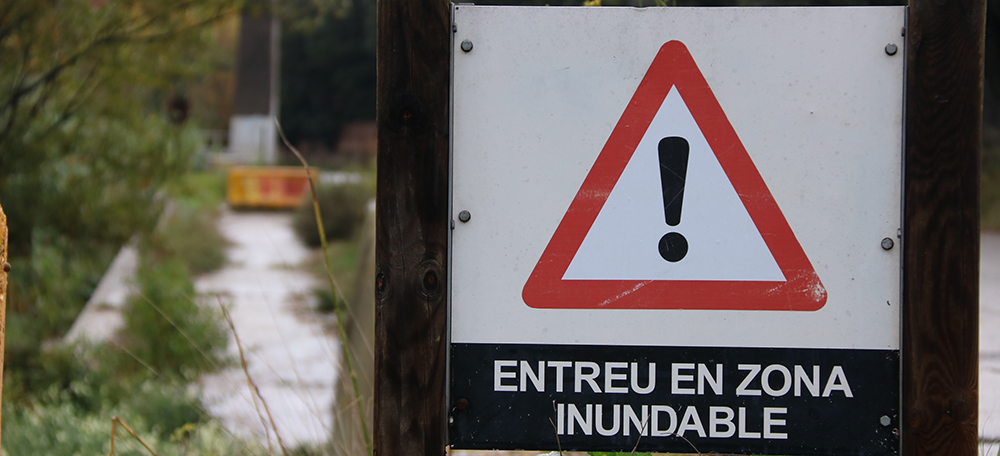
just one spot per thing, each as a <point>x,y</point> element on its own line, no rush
<point>164,408</point>
<point>343,208</point>
<point>307,450</point>
<point>57,428</point>
<point>84,149</point>
<point>191,235</point>
<point>54,430</point>
<point>990,199</point>
<point>70,393</point>
<point>85,386</point>
<point>343,265</point>
<point>99,182</point>
<point>51,278</point>
<point>165,327</point>
<point>989,188</point>
<point>188,230</point>
<point>328,72</point>
<point>81,85</point>
<point>85,152</point>
<point>327,303</point>
<point>46,292</point>
<point>205,189</point>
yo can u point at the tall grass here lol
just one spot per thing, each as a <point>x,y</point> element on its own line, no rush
<point>341,211</point>
<point>61,401</point>
<point>143,376</point>
<point>989,186</point>
<point>334,292</point>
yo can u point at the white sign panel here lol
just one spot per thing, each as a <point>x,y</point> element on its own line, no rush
<point>678,195</point>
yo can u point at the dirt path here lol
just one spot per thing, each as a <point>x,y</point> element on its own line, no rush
<point>290,357</point>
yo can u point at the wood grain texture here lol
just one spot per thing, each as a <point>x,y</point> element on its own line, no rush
<point>411,227</point>
<point>945,41</point>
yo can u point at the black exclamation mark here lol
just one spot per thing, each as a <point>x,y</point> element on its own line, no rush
<point>673,169</point>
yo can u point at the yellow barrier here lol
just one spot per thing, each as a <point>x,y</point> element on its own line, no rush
<point>272,187</point>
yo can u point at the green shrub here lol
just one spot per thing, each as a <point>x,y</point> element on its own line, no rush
<point>342,207</point>
<point>210,439</point>
<point>326,302</point>
<point>54,430</point>
<point>165,328</point>
<point>989,193</point>
<point>54,283</point>
<point>191,235</point>
<point>89,378</point>
<point>165,408</point>
<point>58,428</point>
<point>85,386</point>
<point>201,189</point>
<point>46,292</point>
<point>344,264</point>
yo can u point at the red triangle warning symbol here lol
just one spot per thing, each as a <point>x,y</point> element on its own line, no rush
<point>727,244</point>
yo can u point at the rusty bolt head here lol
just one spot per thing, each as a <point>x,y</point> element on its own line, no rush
<point>462,404</point>
<point>6,266</point>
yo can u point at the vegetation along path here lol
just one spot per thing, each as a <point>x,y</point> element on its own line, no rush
<point>290,358</point>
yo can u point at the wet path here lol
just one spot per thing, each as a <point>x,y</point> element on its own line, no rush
<point>989,337</point>
<point>290,357</point>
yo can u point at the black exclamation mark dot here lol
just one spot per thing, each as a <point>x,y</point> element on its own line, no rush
<point>673,169</point>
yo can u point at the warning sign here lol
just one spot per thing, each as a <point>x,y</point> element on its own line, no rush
<point>674,214</point>
<point>675,229</point>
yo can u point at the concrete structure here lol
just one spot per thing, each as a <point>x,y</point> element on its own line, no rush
<point>253,136</point>
<point>101,317</point>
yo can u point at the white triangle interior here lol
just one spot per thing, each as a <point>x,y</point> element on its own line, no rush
<point>723,241</point>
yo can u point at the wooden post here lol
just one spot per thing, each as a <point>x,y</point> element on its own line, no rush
<point>941,229</point>
<point>4,269</point>
<point>411,227</point>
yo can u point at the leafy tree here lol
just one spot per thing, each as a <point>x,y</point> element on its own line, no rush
<point>85,142</point>
<point>327,69</point>
<point>83,146</point>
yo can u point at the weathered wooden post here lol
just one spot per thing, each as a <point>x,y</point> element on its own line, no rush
<point>941,235</point>
<point>411,227</point>
<point>3,291</point>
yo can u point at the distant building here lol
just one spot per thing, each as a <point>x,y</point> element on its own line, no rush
<point>253,136</point>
